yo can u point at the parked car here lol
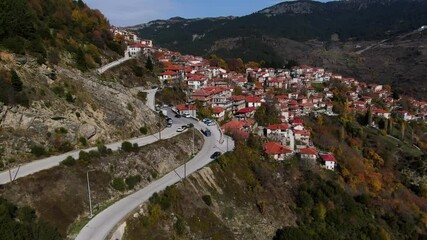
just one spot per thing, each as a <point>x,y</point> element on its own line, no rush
<point>207,132</point>
<point>187,115</point>
<point>215,155</point>
<point>211,123</point>
<point>169,125</point>
<point>177,116</point>
<point>206,120</point>
<point>180,129</point>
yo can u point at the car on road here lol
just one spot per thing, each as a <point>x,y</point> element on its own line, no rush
<point>180,129</point>
<point>186,115</point>
<point>177,116</point>
<point>206,120</point>
<point>169,125</point>
<point>211,123</point>
<point>207,132</point>
<point>215,155</point>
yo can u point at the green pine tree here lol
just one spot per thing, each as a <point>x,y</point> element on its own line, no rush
<point>149,64</point>
<point>16,82</point>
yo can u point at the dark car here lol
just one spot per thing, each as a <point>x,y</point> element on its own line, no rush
<point>177,116</point>
<point>215,155</point>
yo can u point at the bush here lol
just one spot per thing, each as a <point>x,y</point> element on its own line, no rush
<point>61,130</point>
<point>69,97</point>
<point>132,181</point>
<point>83,141</point>
<point>127,146</point>
<point>69,161</point>
<point>143,130</point>
<point>65,147</point>
<point>179,226</point>
<point>103,150</point>
<point>38,151</point>
<point>207,199</point>
<point>84,157</point>
<point>118,184</point>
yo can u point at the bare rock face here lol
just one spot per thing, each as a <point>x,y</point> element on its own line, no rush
<point>87,131</point>
<point>101,110</point>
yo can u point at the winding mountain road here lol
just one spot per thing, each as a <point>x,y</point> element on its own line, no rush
<point>46,163</point>
<point>105,222</point>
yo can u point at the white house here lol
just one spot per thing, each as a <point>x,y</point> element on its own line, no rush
<point>277,151</point>
<point>328,160</point>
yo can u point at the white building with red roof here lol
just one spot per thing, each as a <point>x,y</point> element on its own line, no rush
<point>187,108</point>
<point>277,151</point>
<point>328,160</point>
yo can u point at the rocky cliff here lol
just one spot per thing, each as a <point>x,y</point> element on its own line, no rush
<point>66,108</point>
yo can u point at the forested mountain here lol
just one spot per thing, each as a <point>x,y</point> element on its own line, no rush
<point>48,28</point>
<point>297,20</point>
<point>333,31</point>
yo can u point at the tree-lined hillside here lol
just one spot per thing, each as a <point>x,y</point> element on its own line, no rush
<point>46,29</point>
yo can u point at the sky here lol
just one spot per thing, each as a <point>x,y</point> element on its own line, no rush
<point>132,12</point>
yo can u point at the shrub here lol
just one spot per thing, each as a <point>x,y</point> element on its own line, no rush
<point>103,150</point>
<point>84,157</point>
<point>130,108</point>
<point>132,181</point>
<point>127,146</point>
<point>179,226</point>
<point>143,130</point>
<point>65,147</point>
<point>135,146</point>
<point>61,130</point>
<point>83,141</point>
<point>118,184</point>
<point>207,199</point>
<point>69,161</point>
<point>38,151</point>
<point>69,97</point>
<point>142,96</point>
<point>58,90</point>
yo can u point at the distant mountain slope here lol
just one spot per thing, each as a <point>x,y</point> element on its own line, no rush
<point>298,20</point>
<point>293,30</point>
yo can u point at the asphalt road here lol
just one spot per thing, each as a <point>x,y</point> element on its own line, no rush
<point>46,163</point>
<point>105,222</point>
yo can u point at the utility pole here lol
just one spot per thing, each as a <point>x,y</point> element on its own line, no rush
<point>160,127</point>
<point>192,152</point>
<point>88,192</point>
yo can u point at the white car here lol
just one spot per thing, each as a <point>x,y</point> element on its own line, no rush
<point>180,129</point>
<point>187,115</point>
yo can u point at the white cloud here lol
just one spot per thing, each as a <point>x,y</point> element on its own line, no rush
<point>131,12</point>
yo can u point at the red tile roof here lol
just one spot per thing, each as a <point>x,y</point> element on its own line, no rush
<point>246,110</point>
<point>235,124</point>
<point>208,91</point>
<point>311,151</point>
<point>272,148</point>
<point>253,99</point>
<point>302,132</point>
<point>217,110</point>
<point>328,158</point>
<point>282,126</point>
<point>238,98</point>
<point>183,107</point>
<point>168,73</point>
<point>297,121</point>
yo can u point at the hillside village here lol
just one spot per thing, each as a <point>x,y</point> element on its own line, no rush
<point>233,99</point>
